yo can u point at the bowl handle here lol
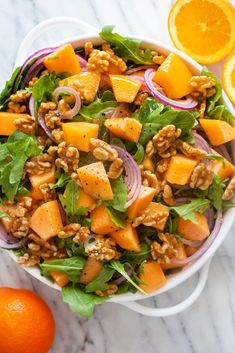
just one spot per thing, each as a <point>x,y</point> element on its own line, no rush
<point>45,26</point>
<point>176,309</point>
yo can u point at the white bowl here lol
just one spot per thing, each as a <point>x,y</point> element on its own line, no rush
<point>189,270</point>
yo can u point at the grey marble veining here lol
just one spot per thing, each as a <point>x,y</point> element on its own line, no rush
<point>209,325</point>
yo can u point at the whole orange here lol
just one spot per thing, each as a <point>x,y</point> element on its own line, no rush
<point>26,322</point>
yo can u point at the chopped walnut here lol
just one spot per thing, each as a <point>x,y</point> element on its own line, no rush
<point>165,141</point>
<point>151,219</point>
<point>149,149</point>
<point>163,165</point>
<point>202,86</point>
<point>150,179</point>
<point>20,96</point>
<point>230,190</point>
<point>25,124</point>
<point>29,260</point>
<point>115,169</point>
<point>20,227</point>
<point>141,98</point>
<point>202,177</point>
<point>166,249</point>
<point>48,194</point>
<point>102,248</point>
<point>102,150</point>
<point>47,106</point>
<point>190,151</point>
<point>112,289</point>
<point>88,47</point>
<point>64,108</point>
<point>14,107</point>
<point>19,208</point>
<point>44,249</point>
<point>114,59</point>
<point>53,119</point>
<point>58,135</point>
<point>33,81</point>
<point>68,157</point>
<point>82,235</point>
<point>43,141</point>
<point>157,58</point>
<point>202,109</point>
<point>69,230</point>
<point>39,164</point>
<point>36,239</point>
<point>168,196</point>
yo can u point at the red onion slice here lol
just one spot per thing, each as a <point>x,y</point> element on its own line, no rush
<point>222,150</point>
<point>82,61</point>
<point>139,68</point>
<point>194,243</point>
<point>77,105</point>
<point>188,104</point>
<point>31,105</point>
<point>121,279</point>
<point>7,241</point>
<point>42,123</point>
<point>200,142</point>
<point>62,212</point>
<point>133,175</point>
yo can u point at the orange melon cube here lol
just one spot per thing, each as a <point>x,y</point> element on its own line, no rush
<point>218,131</point>
<point>180,169</point>
<point>194,231</point>
<point>173,76</point>
<point>190,250</point>
<point>46,220</point>
<point>125,128</point>
<point>95,181</point>
<point>155,208</point>
<point>85,200</point>
<point>88,80</point>
<point>125,88</point>
<point>90,270</point>
<point>114,69</point>
<point>37,180</point>
<point>79,134</point>
<point>7,122</point>
<point>152,276</point>
<point>7,223</point>
<point>63,59</point>
<point>181,256</point>
<point>223,168</point>
<point>146,195</point>
<point>60,278</point>
<point>101,222</point>
<point>127,238</point>
<point>148,164</point>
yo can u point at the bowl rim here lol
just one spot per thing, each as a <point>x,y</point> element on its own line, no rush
<point>178,278</point>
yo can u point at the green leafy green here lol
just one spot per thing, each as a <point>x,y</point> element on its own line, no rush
<point>44,87</point>
<point>13,155</point>
<point>120,268</point>
<point>221,112</point>
<point>100,282</point>
<point>215,157</point>
<point>150,105</point>
<point>80,302</point>
<point>127,49</point>
<point>136,258</point>
<point>117,142</point>
<point>119,195</point>
<point>118,218</point>
<point>4,215</point>
<point>139,154</point>
<point>7,90</point>
<point>187,211</point>
<point>215,192</point>
<point>72,248</point>
<point>211,101</point>
<point>69,202</point>
<point>71,267</point>
<point>62,180</point>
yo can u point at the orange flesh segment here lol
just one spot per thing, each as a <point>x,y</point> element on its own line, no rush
<point>90,270</point>
<point>7,126</point>
<point>79,134</point>
<point>85,200</point>
<point>60,278</point>
<point>217,131</point>
<point>152,276</point>
<point>146,195</point>
<point>192,231</point>
<point>155,208</point>
<point>223,168</point>
<point>125,88</point>
<point>38,180</point>
<point>180,169</point>
<point>127,238</point>
<point>125,128</point>
<point>181,256</point>
<point>101,222</point>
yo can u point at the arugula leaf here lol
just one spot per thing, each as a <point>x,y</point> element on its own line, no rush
<point>18,148</point>
<point>117,142</point>
<point>127,49</point>
<point>136,258</point>
<point>70,267</point>
<point>80,302</point>
<point>215,157</point>
<point>187,211</point>
<point>215,192</point>
<point>100,282</point>
<point>4,215</point>
<point>150,105</point>
<point>119,195</point>
<point>221,112</point>
<point>119,267</point>
<point>139,154</point>
<point>62,180</point>
<point>69,202</point>
<point>214,99</point>
<point>7,90</point>
<point>43,88</point>
<point>118,218</point>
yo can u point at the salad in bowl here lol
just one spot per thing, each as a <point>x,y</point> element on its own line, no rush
<point>115,167</point>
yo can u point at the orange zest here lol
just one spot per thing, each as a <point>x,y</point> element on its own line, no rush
<point>228,77</point>
<point>203,29</point>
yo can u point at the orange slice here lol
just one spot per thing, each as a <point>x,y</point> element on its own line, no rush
<point>228,77</point>
<point>203,29</point>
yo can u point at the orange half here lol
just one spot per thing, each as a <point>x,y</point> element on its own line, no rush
<point>203,29</point>
<point>228,77</point>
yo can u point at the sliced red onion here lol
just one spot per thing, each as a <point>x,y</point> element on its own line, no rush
<point>188,104</point>
<point>139,68</point>
<point>210,215</point>
<point>82,61</point>
<point>133,175</point>
<point>77,105</point>
<point>194,243</point>
<point>222,150</point>
<point>34,69</point>
<point>7,241</point>
<point>180,200</point>
<point>200,142</point>
<point>205,245</point>
<point>62,212</point>
<point>121,279</point>
<point>42,123</point>
<point>31,105</point>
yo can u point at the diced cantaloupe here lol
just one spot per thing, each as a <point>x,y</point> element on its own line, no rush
<point>88,81</point>
<point>7,122</point>
<point>173,76</point>
<point>190,250</point>
<point>194,231</point>
<point>7,223</point>
<point>79,134</point>
<point>85,200</point>
<point>125,88</point>
<point>63,59</point>
<point>125,128</point>
<point>46,220</point>
<point>152,276</point>
<point>145,196</point>
<point>180,169</point>
<point>218,131</point>
<point>223,168</point>
<point>90,270</point>
<point>60,278</point>
<point>114,69</point>
<point>148,164</point>
<point>37,180</point>
<point>181,256</point>
<point>101,222</point>
<point>127,238</point>
<point>156,208</point>
<point>95,181</point>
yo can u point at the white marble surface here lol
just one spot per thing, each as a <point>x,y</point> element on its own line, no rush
<point>209,325</point>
